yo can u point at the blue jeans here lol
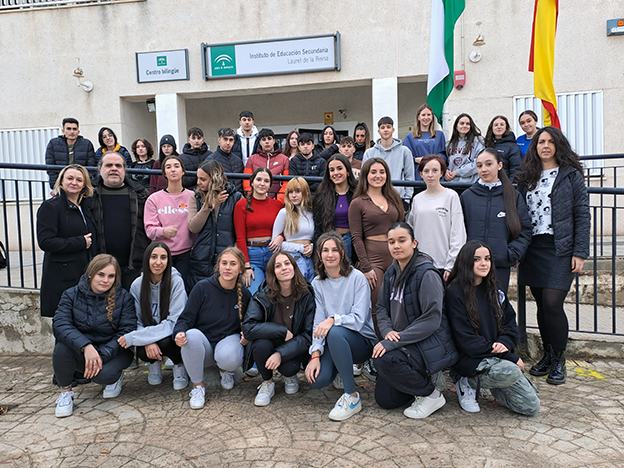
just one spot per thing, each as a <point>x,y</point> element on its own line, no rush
<point>343,348</point>
<point>305,264</point>
<point>346,238</point>
<point>258,259</point>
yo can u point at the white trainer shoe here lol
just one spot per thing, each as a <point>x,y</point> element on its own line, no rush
<point>467,396</point>
<point>338,385</point>
<point>65,405</point>
<point>357,369</point>
<point>424,406</point>
<point>154,375</point>
<point>227,380</point>
<point>345,407</point>
<point>198,397</point>
<point>180,377</point>
<point>169,364</point>
<point>291,385</point>
<point>266,391</point>
<point>113,390</point>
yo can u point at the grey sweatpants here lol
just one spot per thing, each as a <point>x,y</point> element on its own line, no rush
<point>508,385</point>
<point>198,354</point>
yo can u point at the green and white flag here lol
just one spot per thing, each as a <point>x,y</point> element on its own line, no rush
<point>444,15</point>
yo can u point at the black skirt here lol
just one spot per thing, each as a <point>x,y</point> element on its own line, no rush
<point>542,268</point>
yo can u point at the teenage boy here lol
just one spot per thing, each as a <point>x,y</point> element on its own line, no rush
<point>347,149</point>
<point>246,141</point>
<point>271,158</point>
<point>231,163</point>
<point>398,157</point>
<point>69,148</point>
<point>306,162</point>
<point>194,153</point>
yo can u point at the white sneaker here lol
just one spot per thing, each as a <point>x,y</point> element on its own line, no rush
<point>180,377</point>
<point>253,371</point>
<point>65,405</point>
<point>227,380</point>
<point>467,396</point>
<point>266,391</point>
<point>169,364</point>
<point>198,397</point>
<point>338,385</point>
<point>291,385</point>
<point>154,375</point>
<point>357,369</point>
<point>113,390</point>
<point>345,407</point>
<point>424,406</point>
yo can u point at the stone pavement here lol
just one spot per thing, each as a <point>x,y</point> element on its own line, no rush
<point>581,424</point>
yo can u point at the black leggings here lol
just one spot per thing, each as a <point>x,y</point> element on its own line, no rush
<point>263,349</point>
<point>66,360</point>
<point>167,348</point>
<point>551,318</point>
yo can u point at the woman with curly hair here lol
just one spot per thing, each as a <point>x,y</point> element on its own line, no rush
<point>332,200</point>
<point>294,222</point>
<point>90,318</point>
<point>552,184</point>
<point>483,324</point>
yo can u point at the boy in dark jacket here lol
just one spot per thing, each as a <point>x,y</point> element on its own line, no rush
<point>194,153</point>
<point>306,162</point>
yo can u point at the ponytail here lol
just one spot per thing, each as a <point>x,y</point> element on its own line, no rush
<point>510,200</point>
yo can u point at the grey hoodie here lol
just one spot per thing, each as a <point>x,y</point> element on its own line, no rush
<point>152,333</point>
<point>400,161</point>
<point>464,164</point>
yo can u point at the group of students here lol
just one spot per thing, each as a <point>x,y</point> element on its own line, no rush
<point>247,260</point>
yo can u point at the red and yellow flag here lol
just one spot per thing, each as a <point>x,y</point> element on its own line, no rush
<point>542,58</point>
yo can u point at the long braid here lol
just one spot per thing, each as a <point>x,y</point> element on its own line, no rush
<point>249,196</point>
<point>110,306</point>
<point>239,294</point>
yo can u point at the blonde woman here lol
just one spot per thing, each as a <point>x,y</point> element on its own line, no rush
<point>66,233</point>
<point>295,223</point>
<point>90,318</point>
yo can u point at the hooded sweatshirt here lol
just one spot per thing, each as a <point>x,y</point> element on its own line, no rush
<point>400,162</point>
<point>147,334</point>
<point>465,162</point>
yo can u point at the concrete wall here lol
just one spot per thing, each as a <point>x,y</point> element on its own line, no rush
<point>391,41</point>
<point>22,329</point>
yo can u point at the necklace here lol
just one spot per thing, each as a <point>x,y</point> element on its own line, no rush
<point>290,298</point>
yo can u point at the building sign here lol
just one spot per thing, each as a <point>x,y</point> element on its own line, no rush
<point>169,65</point>
<point>278,56</point>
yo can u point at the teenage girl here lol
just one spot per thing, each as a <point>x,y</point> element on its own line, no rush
<point>295,224</point>
<point>500,137</point>
<point>528,122</point>
<point>462,149</point>
<point>424,139</point>
<point>143,152</point>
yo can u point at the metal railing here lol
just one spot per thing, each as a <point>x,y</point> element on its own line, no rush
<point>22,4</point>
<point>596,307</point>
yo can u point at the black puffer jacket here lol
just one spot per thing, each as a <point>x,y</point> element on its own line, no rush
<point>570,213</point>
<point>217,234</point>
<point>192,158</point>
<point>81,319</point>
<point>510,153</point>
<point>57,154</point>
<point>484,215</point>
<point>61,228</point>
<point>232,164</point>
<point>428,330</point>
<point>258,324</point>
<point>314,167</point>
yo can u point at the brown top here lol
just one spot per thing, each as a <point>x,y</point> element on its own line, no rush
<point>284,312</point>
<point>365,220</point>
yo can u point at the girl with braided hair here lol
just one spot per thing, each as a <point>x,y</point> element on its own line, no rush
<point>209,329</point>
<point>90,318</point>
<point>278,325</point>
<point>253,222</point>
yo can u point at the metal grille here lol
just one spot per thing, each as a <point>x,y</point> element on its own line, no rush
<point>25,146</point>
<point>20,4</point>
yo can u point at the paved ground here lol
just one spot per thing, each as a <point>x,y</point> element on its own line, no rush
<point>581,424</point>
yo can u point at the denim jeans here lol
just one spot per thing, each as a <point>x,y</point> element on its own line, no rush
<point>508,385</point>
<point>305,264</point>
<point>258,259</point>
<point>346,238</point>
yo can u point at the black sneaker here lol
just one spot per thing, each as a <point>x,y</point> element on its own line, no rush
<point>369,371</point>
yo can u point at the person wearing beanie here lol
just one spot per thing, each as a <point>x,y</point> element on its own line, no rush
<point>167,147</point>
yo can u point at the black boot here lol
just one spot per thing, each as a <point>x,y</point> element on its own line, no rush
<point>544,364</point>
<point>558,374</point>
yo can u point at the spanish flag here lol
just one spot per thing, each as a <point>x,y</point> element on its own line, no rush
<point>542,58</point>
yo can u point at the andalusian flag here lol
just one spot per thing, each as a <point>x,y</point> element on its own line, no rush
<point>444,15</point>
<point>542,58</point>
